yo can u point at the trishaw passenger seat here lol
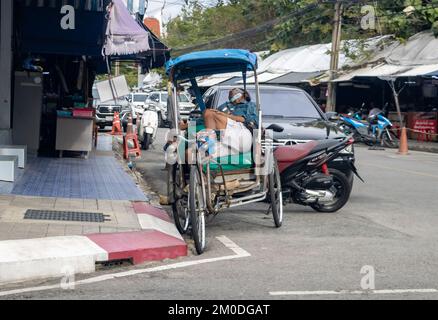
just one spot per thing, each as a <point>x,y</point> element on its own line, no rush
<point>236,162</point>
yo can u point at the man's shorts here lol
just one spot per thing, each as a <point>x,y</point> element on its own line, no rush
<point>234,140</point>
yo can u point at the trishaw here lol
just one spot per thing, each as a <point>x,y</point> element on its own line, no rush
<point>200,186</point>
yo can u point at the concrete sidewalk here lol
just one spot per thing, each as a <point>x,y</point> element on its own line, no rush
<point>136,231</point>
<point>431,147</point>
<point>38,249</point>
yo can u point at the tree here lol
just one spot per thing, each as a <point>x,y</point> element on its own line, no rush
<point>197,25</point>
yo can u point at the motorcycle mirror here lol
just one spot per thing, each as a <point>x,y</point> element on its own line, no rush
<point>275,128</point>
<point>332,116</point>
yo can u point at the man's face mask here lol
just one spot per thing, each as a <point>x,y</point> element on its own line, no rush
<point>238,96</point>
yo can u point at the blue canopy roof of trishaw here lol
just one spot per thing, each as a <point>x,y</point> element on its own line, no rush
<point>206,63</point>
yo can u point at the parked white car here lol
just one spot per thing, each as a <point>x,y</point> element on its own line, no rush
<point>159,99</point>
<point>138,100</point>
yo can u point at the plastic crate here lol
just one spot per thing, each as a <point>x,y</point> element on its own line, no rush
<point>62,113</point>
<point>83,113</point>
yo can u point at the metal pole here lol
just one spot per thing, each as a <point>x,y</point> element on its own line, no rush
<point>6,23</point>
<point>334,62</point>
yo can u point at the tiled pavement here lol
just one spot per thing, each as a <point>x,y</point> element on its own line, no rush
<point>13,226</point>
<point>100,177</point>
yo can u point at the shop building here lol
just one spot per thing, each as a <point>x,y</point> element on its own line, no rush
<point>50,54</point>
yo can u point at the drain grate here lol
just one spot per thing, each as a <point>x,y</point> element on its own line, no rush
<point>65,216</point>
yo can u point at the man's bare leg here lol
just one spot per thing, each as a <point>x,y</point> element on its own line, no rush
<point>215,120</point>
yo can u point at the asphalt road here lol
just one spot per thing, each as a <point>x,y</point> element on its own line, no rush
<point>390,225</point>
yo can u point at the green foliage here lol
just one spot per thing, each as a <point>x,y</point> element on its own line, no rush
<point>197,26</point>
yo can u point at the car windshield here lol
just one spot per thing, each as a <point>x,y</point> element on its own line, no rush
<point>140,97</point>
<point>282,103</point>
<point>164,97</point>
<point>183,98</point>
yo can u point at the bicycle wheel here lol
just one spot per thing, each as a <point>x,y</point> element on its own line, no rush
<point>276,196</point>
<point>197,210</point>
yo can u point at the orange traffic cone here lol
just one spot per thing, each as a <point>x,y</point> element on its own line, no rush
<point>404,150</point>
<point>131,137</point>
<point>117,128</point>
<point>130,127</point>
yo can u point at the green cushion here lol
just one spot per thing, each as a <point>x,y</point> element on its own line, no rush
<point>231,163</point>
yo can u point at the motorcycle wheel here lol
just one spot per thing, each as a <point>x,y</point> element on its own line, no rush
<point>276,196</point>
<point>342,196</point>
<point>147,141</point>
<point>160,120</point>
<point>390,140</point>
<point>197,210</point>
<point>180,206</point>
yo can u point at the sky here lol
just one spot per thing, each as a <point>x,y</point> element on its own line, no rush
<point>171,7</point>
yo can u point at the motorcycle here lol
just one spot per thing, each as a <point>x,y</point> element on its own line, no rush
<point>376,129</point>
<point>306,178</point>
<point>148,127</point>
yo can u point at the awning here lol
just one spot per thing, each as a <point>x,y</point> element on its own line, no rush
<point>295,77</point>
<point>389,70</point>
<point>265,77</point>
<point>427,70</point>
<point>212,81</point>
<point>124,36</point>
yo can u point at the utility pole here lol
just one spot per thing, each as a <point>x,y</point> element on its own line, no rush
<point>334,62</point>
<point>117,69</point>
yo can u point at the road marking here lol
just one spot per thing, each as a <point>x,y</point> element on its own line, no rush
<point>239,254</point>
<point>347,292</point>
<point>404,171</point>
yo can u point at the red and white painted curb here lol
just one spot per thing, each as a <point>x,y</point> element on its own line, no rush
<point>31,259</point>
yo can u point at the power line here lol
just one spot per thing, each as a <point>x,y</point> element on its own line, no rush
<point>244,33</point>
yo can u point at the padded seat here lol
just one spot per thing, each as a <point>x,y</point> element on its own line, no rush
<point>324,145</point>
<point>242,161</point>
<point>237,162</point>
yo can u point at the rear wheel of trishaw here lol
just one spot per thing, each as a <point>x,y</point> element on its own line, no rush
<point>276,195</point>
<point>197,210</point>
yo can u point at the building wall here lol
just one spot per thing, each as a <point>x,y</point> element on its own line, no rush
<point>6,16</point>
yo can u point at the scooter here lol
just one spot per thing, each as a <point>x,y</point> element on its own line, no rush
<point>376,129</point>
<point>148,127</point>
<point>306,179</point>
<point>353,123</point>
<point>380,127</point>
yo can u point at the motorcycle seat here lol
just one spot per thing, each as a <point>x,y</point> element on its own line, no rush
<point>324,145</point>
<point>291,154</point>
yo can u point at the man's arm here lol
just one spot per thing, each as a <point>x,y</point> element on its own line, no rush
<point>236,118</point>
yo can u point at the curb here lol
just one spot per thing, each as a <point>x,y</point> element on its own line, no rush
<point>32,259</point>
<point>428,149</point>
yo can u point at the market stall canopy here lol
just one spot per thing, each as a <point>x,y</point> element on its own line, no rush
<point>156,57</point>
<point>303,63</point>
<point>124,36</point>
<point>421,49</point>
<point>416,58</point>
<point>295,77</point>
<point>225,79</point>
